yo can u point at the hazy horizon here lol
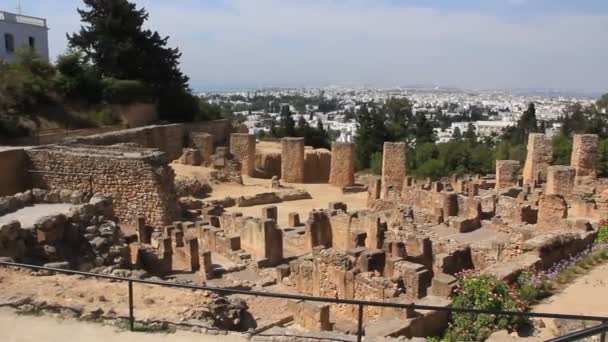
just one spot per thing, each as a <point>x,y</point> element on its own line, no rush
<point>472,44</point>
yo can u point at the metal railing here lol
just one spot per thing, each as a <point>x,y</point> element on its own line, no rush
<point>599,329</point>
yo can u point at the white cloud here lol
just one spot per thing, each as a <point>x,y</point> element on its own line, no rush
<point>324,41</point>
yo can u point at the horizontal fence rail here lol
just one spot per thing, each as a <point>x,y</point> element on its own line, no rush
<point>360,303</point>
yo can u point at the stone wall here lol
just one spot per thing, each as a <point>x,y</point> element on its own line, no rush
<point>317,164</point>
<point>139,180</point>
<point>242,147</point>
<point>584,155</point>
<point>268,164</point>
<point>538,159</point>
<point>507,172</point>
<point>203,142</point>
<point>168,138</point>
<point>394,161</point>
<point>263,240</point>
<point>342,164</point>
<point>13,171</point>
<point>292,164</point>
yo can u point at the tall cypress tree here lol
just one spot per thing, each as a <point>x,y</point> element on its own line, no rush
<point>113,38</point>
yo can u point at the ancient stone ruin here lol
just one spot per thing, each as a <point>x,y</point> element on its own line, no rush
<point>403,241</point>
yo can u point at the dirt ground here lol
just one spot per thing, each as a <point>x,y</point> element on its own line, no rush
<point>18,328</point>
<point>321,194</point>
<point>150,302</point>
<point>586,296</point>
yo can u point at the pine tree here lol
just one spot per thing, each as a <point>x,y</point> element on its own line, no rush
<point>113,38</point>
<point>288,125</point>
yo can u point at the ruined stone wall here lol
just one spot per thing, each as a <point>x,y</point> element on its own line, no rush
<point>552,211</point>
<point>538,159</point>
<point>203,142</point>
<point>560,180</point>
<point>139,180</point>
<point>584,155</point>
<point>317,164</point>
<point>394,161</point>
<point>268,164</point>
<point>507,172</point>
<point>342,164</point>
<point>292,165</point>
<point>263,240</point>
<point>242,147</point>
<point>168,138</point>
<point>13,171</point>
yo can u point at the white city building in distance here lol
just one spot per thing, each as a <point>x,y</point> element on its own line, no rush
<point>20,31</point>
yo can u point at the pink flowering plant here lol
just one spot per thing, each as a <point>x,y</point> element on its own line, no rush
<point>483,291</point>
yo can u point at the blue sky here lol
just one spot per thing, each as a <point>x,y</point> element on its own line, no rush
<point>541,44</point>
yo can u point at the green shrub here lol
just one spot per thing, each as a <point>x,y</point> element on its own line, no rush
<point>376,163</point>
<point>482,291</point>
<point>125,91</point>
<point>602,233</point>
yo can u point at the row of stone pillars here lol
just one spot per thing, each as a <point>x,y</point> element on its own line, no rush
<point>537,168</point>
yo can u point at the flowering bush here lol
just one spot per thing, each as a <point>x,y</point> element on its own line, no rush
<point>482,291</point>
<point>531,287</point>
<point>602,232</point>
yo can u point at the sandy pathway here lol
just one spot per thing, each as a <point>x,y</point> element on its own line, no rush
<point>16,328</point>
<point>585,296</point>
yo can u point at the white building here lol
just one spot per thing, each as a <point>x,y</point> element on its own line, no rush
<point>18,31</point>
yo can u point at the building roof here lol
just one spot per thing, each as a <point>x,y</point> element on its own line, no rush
<point>22,19</point>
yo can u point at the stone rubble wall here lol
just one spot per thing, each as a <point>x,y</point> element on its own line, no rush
<point>560,180</point>
<point>168,138</point>
<point>317,164</point>
<point>139,180</point>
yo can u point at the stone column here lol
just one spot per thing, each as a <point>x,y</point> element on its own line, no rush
<point>538,159</point>
<point>292,164</point>
<point>193,254</point>
<point>242,147</point>
<point>394,160</point>
<point>342,164</point>
<point>584,155</point>
<point>507,172</point>
<point>560,180</point>
<point>204,143</point>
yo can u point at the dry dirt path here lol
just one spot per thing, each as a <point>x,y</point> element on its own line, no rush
<point>585,296</point>
<point>16,328</point>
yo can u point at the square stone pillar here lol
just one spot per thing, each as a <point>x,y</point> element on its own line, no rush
<point>394,161</point>
<point>342,164</point>
<point>507,172</point>
<point>538,159</point>
<point>584,155</point>
<point>560,180</point>
<point>292,164</point>
<point>204,143</point>
<point>242,147</point>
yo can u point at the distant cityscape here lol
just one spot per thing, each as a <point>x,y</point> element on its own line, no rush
<point>489,112</point>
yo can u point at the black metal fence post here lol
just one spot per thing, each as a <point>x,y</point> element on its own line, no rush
<point>603,334</point>
<point>131,319</point>
<point>360,328</point>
